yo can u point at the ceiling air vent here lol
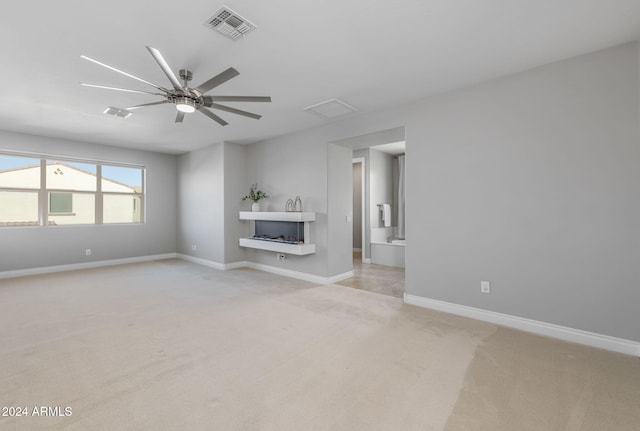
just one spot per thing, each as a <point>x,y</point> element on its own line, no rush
<point>230,23</point>
<point>330,109</point>
<point>118,112</point>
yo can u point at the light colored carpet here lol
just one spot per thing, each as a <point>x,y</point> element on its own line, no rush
<point>171,345</point>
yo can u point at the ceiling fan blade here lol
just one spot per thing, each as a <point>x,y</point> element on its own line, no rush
<point>213,116</point>
<point>124,73</point>
<point>220,78</point>
<point>165,68</point>
<point>239,98</point>
<point>120,89</point>
<point>233,110</point>
<point>129,108</point>
<point>179,117</point>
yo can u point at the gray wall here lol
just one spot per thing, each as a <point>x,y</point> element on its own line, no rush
<point>357,205</point>
<point>201,203</point>
<point>284,167</point>
<point>532,182</point>
<point>211,183</point>
<point>340,209</point>
<point>35,247</point>
<point>234,188</point>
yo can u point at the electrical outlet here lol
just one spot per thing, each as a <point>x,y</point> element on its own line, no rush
<point>485,287</point>
<point>281,256</point>
<point>87,252</point>
<point>194,247</point>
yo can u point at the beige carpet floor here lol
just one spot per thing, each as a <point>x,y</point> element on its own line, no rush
<point>171,345</point>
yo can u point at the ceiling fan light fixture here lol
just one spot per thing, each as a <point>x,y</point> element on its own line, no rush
<point>186,105</point>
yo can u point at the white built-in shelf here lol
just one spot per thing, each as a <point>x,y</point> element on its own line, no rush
<point>279,247</point>
<point>278,215</point>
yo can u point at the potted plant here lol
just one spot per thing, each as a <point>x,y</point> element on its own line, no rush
<point>255,195</point>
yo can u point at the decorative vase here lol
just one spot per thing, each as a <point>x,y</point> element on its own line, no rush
<point>255,206</point>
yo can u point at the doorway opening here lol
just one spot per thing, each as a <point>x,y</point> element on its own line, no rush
<point>378,245</point>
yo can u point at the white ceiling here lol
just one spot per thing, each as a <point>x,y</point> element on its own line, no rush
<point>370,54</point>
<point>393,148</point>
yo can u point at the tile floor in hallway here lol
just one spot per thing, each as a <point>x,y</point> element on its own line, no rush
<point>385,280</point>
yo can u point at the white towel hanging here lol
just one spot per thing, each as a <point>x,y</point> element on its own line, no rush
<point>386,214</point>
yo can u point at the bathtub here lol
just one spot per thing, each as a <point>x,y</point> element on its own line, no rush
<point>388,253</point>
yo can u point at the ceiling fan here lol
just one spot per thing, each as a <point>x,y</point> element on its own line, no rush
<point>185,98</point>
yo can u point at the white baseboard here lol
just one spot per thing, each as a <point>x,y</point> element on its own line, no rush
<point>84,265</point>
<point>339,277</point>
<point>210,263</point>
<point>297,274</point>
<point>217,265</point>
<point>366,260</point>
<point>268,268</point>
<point>592,339</point>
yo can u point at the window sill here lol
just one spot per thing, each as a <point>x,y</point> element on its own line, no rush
<point>61,214</point>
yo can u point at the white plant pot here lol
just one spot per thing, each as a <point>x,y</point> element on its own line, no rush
<point>255,206</point>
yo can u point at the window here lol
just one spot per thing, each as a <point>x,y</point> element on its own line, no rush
<point>122,194</point>
<point>74,185</point>
<point>18,208</point>
<point>19,190</point>
<point>48,192</point>
<point>60,203</point>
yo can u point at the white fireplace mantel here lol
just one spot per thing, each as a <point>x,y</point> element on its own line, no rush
<point>279,247</point>
<point>278,216</point>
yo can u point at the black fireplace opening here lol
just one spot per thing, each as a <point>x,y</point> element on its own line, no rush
<point>289,232</point>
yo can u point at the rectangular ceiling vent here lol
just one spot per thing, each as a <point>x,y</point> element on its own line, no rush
<point>230,23</point>
<point>330,109</point>
<point>118,112</point>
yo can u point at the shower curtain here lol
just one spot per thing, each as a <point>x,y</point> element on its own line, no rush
<point>400,210</point>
